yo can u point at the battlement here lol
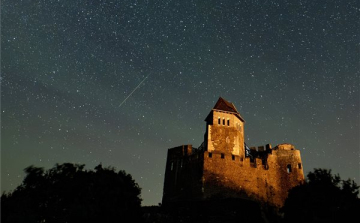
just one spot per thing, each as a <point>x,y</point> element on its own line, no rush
<point>224,166</point>
<point>285,146</point>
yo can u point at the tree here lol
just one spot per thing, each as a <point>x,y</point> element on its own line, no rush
<point>322,198</point>
<point>68,193</point>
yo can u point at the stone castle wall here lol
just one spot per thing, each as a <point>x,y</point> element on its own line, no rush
<point>223,167</point>
<point>226,175</point>
<point>199,174</point>
<point>183,174</point>
<point>225,132</point>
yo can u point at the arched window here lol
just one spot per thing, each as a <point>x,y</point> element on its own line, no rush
<point>228,122</point>
<point>223,121</point>
<point>219,121</point>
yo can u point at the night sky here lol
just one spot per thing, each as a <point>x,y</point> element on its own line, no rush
<point>118,82</point>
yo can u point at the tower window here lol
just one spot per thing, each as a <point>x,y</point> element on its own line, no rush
<point>222,155</point>
<point>223,121</point>
<point>228,122</point>
<point>210,155</point>
<point>288,168</point>
<point>299,165</point>
<point>219,122</point>
<point>232,157</point>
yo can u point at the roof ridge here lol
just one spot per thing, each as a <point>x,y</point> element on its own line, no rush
<point>225,105</point>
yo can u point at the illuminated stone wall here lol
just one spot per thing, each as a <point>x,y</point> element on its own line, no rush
<point>222,168</point>
<point>225,175</point>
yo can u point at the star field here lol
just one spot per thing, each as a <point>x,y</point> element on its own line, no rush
<point>118,82</point>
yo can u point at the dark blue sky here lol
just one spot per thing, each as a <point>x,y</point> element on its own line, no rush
<point>120,82</point>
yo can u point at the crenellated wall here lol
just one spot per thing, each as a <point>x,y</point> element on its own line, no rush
<point>195,174</point>
<point>226,175</point>
<point>223,167</point>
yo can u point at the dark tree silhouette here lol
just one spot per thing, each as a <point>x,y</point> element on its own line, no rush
<point>322,198</point>
<point>68,193</point>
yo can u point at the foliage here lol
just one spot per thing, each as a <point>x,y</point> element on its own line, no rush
<point>322,198</point>
<point>68,193</point>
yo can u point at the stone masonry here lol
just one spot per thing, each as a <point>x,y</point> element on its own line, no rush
<point>223,166</point>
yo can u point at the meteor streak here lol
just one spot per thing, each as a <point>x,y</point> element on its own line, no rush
<point>133,91</point>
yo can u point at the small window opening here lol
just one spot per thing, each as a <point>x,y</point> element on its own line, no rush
<point>232,157</point>
<point>222,155</point>
<point>210,155</point>
<point>288,168</point>
<point>299,165</point>
<point>223,121</point>
<point>228,122</point>
<point>172,165</point>
<point>219,122</point>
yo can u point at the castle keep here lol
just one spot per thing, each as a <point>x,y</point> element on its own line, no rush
<point>224,166</point>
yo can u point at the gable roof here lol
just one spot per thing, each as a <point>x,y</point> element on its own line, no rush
<point>224,105</point>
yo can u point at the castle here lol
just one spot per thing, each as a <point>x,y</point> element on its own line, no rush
<point>224,166</point>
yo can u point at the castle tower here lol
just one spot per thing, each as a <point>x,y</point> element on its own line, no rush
<point>225,130</point>
<point>222,167</point>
